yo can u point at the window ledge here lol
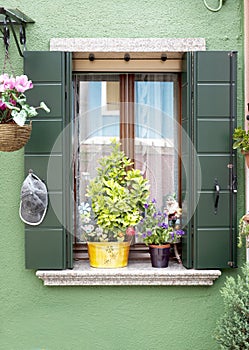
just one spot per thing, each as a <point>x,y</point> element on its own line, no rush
<point>136,274</point>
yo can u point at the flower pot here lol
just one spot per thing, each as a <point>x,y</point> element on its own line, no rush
<point>159,255</point>
<point>13,137</point>
<point>246,154</point>
<point>108,254</point>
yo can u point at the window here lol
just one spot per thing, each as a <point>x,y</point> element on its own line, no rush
<point>142,111</point>
<point>208,115</point>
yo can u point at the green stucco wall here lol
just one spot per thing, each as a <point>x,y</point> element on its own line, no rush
<point>120,318</point>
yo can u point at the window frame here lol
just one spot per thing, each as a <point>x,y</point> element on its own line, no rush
<point>30,61</point>
<point>138,251</point>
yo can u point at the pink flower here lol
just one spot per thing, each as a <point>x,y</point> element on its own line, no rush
<point>9,83</point>
<point>22,83</point>
<point>13,102</point>
<point>3,79</point>
<point>130,231</point>
<point>2,105</point>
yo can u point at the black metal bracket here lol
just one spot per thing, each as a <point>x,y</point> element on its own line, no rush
<point>10,18</point>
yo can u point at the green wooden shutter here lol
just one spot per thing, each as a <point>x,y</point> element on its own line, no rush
<point>49,245</point>
<point>211,102</point>
<point>186,164</point>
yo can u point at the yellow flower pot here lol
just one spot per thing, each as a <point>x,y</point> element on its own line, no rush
<point>108,254</point>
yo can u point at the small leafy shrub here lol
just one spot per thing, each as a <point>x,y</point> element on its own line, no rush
<point>241,139</point>
<point>118,194</point>
<point>232,332</point>
<point>243,230</point>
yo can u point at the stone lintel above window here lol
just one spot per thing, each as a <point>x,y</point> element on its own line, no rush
<point>127,44</point>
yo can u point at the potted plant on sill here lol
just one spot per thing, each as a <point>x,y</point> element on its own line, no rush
<point>117,195</point>
<point>243,231</point>
<point>159,232</point>
<point>14,110</point>
<point>241,141</point>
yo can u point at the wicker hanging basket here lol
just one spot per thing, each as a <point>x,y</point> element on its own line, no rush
<point>13,137</point>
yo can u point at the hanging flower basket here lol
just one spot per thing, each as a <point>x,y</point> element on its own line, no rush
<point>14,111</point>
<point>13,137</point>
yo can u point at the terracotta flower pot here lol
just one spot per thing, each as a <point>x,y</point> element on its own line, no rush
<point>246,154</point>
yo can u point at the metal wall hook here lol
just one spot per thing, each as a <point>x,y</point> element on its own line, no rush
<point>6,35</point>
<point>22,33</point>
<point>10,18</point>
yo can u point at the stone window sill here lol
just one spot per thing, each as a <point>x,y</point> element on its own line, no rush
<point>137,273</point>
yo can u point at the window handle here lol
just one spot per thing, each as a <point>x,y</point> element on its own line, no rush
<point>234,184</point>
<point>217,196</point>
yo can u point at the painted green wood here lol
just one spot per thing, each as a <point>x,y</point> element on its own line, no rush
<point>214,66</point>
<point>186,168</point>
<point>209,97</point>
<point>49,93</point>
<point>44,135</point>
<point>44,67</point>
<point>214,93</point>
<point>212,136</point>
<point>44,248</point>
<point>46,245</point>
<point>214,170</point>
<point>208,116</point>
<point>40,163</point>
<point>212,247</point>
<point>206,216</point>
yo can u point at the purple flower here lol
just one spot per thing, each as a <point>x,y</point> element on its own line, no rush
<point>163,225</point>
<point>144,235</point>
<point>149,233</point>
<point>153,200</point>
<point>146,205</point>
<point>180,232</point>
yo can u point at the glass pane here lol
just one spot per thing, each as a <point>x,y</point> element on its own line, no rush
<point>156,129</point>
<point>97,122</point>
<point>156,141</point>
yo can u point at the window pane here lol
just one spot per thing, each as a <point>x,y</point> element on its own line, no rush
<point>156,132</point>
<point>149,107</point>
<point>97,121</point>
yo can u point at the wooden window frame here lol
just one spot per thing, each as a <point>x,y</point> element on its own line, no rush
<point>141,63</point>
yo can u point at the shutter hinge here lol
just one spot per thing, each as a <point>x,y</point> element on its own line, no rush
<point>231,264</point>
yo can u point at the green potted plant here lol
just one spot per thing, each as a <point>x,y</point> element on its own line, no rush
<point>160,229</point>
<point>117,194</point>
<point>14,110</point>
<point>241,141</point>
<point>243,231</point>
